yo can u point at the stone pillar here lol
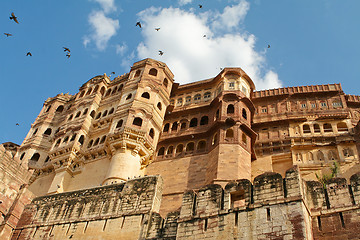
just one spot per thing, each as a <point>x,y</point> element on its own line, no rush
<point>125,164</point>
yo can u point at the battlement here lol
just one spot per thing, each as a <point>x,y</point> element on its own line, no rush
<point>297,89</point>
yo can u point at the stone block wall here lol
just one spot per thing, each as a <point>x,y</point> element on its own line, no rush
<point>109,212</point>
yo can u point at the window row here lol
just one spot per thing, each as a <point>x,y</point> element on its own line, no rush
<point>68,139</point>
<point>322,156</point>
<point>103,92</point>
<point>189,148</point>
<point>102,114</point>
<point>96,142</point>
<point>147,96</point>
<point>78,114</point>
<point>196,98</point>
<point>326,128</point>
<point>183,124</point>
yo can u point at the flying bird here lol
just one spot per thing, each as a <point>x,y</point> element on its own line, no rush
<point>138,24</point>
<point>268,46</point>
<point>8,34</point>
<point>13,17</point>
<point>17,124</point>
<point>29,54</point>
<point>112,72</point>
<point>157,29</point>
<point>68,55</point>
<point>161,52</point>
<point>200,6</point>
<point>204,36</point>
<point>66,49</point>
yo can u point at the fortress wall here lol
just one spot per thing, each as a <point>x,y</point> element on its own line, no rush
<point>119,210</point>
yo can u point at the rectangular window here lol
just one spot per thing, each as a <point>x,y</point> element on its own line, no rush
<point>263,110</point>
<point>337,104</point>
<point>244,90</point>
<point>188,99</point>
<point>323,104</point>
<point>303,105</point>
<point>313,105</point>
<point>232,85</point>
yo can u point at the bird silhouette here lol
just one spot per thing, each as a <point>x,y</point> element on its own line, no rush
<point>29,54</point>
<point>66,49</point>
<point>157,29</point>
<point>204,36</point>
<point>112,72</point>
<point>8,34</point>
<point>17,124</point>
<point>138,24</point>
<point>68,55</point>
<point>200,6</point>
<point>268,46</point>
<point>13,17</point>
<point>161,52</point>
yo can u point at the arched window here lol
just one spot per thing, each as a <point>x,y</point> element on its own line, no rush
<point>230,109</point>
<point>320,156</point>
<point>70,117</point>
<point>204,120</point>
<point>108,92</point>
<point>47,159</point>
<point>96,142</point>
<point>166,127</point>
<point>22,156</point>
<point>174,126</point>
<point>120,87</point>
<point>98,116</point>
<point>105,113</point>
<point>96,88</point>
<point>188,99</point>
<point>342,127</point>
<point>89,91</point>
<point>217,114</point>
<point>244,138</point>
<point>153,72</point>
<point>77,114</point>
<point>316,128</point>
<point>48,132</point>
<point>193,122</point>
<point>179,101</point>
<point>201,145</point>
<point>179,148</point>
<point>152,133</point>
<point>73,137</point>
<point>348,152</point>
<point>35,132</point>
<point>183,126</point>
<point>66,139</point>
<point>137,73</point>
<point>60,108</point>
<point>306,129</point>
<point>137,121</point>
<point>92,114</point>
<point>114,91</point>
<point>190,147</point>
<point>207,95</point>
<point>244,114</point>
<point>35,157</point>
<point>81,94</point>
<point>161,151</point>
<point>145,95</point>
<point>90,143</point>
<point>159,106</point>
<point>119,124</point>
<point>229,133</point>
<point>298,157</point>
<point>103,139</point>
<point>85,111</point>
<point>57,142</point>
<point>81,140</point>
<point>129,96</point>
<point>327,127</point>
<point>170,150</point>
<point>111,111</point>
<point>102,91</point>
<point>215,139</point>
<point>165,82</point>
<point>48,108</point>
<point>197,97</point>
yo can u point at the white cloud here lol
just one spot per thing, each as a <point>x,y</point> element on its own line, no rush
<point>120,49</point>
<point>107,5</point>
<point>191,56</point>
<point>184,2</point>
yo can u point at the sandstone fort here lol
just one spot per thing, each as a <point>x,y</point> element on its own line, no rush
<point>143,157</point>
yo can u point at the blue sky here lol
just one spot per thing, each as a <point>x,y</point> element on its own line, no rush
<point>311,42</point>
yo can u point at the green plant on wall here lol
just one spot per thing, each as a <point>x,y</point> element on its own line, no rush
<point>325,178</point>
